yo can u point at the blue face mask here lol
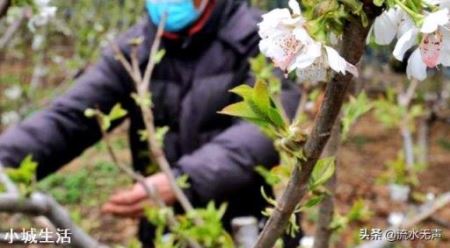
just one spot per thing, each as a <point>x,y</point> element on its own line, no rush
<point>180,13</point>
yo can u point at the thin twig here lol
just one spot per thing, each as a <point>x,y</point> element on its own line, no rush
<point>301,106</point>
<point>405,100</point>
<point>154,50</point>
<point>151,192</point>
<point>135,63</point>
<point>326,210</point>
<point>423,139</point>
<point>126,65</point>
<point>142,87</point>
<point>12,29</point>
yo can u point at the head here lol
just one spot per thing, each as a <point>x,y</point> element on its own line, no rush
<point>180,14</point>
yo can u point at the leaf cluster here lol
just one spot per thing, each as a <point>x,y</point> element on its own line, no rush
<point>353,110</point>
<point>106,120</point>
<point>208,233</point>
<point>391,114</point>
<point>24,176</point>
<point>258,107</point>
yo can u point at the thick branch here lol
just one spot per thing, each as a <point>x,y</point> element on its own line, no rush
<point>41,204</point>
<point>353,48</point>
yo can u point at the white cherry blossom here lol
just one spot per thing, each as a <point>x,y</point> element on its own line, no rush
<point>13,92</point>
<point>45,13</point>
<point>432,37</point>
<point>391,24</point>
<point>286,41</point>
<point>434,45</point>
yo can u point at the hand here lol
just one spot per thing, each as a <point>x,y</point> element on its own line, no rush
<point>130,203</point>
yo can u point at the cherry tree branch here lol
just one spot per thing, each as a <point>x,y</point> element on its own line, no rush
<point>353,47</point>
<point>151,192</point>
<point>39,204</point>
<point>143,87</point>
<point>404,100</point>
<point>42,204</point>
<point>13,28</point>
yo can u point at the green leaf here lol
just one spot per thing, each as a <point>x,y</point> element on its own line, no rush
<point>143,134</point>
<point>243,90</point>
<point>339,222</point>
<point>353,110</point>
<point>322,172</point>
<point>136,41</point>
<point>268,176</point>
<point>276,117</point>
<point>183,181</point>
<point>270,200</point>
<point>240,109</point>
<point>388,112</point>
<point>161,133</point>
<point>106,123</point>
<point>416,111</point>
<point>145,101</point>
<point>159,56</point>
<point>89,113</point>
<point>24,175</point>
<point>378,3</point>
<point>313,201</point>
<point>261,96</point>
<point>359,211</point>
<point>117,112</point>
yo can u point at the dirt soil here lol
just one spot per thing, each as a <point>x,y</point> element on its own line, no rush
<point>361,161</point>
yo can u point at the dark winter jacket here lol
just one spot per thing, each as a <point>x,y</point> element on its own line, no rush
<point>188,87</point>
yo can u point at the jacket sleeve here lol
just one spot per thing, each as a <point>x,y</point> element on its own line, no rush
<point>227,163</point>
<point>61,132</point>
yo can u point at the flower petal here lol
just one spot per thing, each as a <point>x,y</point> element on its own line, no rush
<point>295,7</point>
<point>406,23</point>
<point>385,27</point>
<point>416,67</point>
<point>307,56</point>
<point>404,43</point>
<point>434,20</point>
<point>445,52</point>
<point>272,20</point>
<point>336,62</point>
<point>302,35</point>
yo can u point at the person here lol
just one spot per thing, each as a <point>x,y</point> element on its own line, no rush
<point>208,44</point>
